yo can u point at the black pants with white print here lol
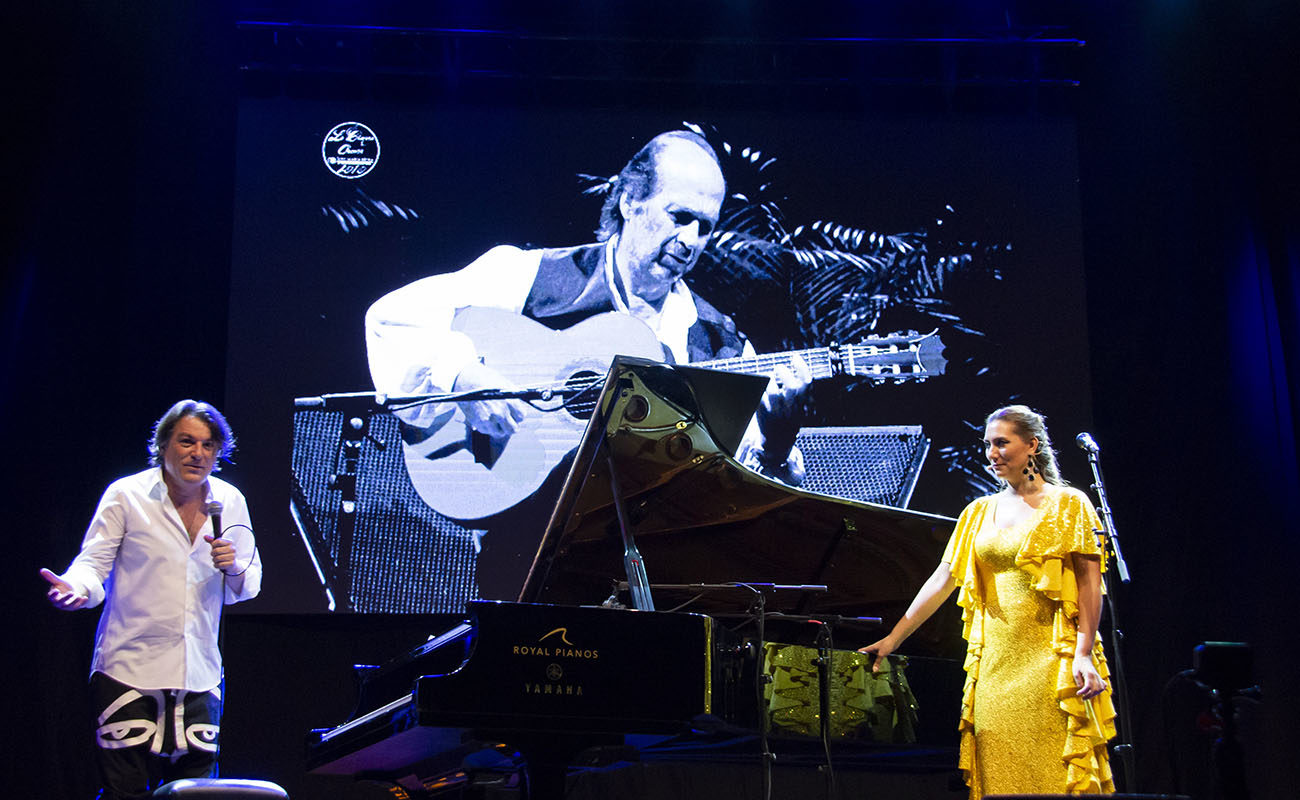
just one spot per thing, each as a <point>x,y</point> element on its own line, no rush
<point>147,737</point>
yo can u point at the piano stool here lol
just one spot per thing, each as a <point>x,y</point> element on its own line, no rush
<point>221,789</point>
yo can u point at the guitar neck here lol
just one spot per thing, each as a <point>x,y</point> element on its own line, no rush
<point>895,357</point>
<point>818,359</point>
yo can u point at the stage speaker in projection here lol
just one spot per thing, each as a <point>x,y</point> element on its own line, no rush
<point>538,326</point>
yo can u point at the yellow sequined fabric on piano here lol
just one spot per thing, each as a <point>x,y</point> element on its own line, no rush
<point>1023,728</point>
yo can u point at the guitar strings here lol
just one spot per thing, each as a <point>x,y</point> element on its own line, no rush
<point>823,362</point>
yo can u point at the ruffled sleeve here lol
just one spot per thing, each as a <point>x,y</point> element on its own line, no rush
<point>1066,526</point>
<point>960,556</point>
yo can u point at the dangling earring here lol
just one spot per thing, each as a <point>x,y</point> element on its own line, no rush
<point>1030,467</point>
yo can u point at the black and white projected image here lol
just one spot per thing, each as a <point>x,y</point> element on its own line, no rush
<point>477,249</point>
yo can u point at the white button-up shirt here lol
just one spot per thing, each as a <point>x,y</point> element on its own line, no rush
<point>162,596</point>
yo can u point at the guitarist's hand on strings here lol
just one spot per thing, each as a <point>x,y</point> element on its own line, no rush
<point>778,413</point>
<point>496,418</point>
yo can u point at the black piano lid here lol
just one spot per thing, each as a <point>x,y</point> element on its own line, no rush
<point>699,517</point>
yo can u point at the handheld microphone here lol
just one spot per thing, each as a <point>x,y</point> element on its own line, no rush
<point>1086,442</point>
<point>214,511</point>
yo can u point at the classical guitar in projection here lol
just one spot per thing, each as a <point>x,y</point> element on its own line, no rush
<point>466,475</point>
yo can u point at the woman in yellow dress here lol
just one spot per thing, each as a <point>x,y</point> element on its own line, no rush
<point>1036,709</point>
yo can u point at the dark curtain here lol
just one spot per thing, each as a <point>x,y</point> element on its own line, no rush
<point>1189,176</point>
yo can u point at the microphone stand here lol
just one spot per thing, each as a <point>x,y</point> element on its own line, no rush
<point>824,661</point>
<point>1107,521</point>
<point>758,612</point>
<point>374,402</point>
<point>1108,537</point>
<point>761,679</point>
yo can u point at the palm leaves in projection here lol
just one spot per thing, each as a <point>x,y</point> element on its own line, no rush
<point>360,210</point>
<point>841,278</point>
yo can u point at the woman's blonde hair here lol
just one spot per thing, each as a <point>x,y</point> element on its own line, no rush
<point>1029,424</point>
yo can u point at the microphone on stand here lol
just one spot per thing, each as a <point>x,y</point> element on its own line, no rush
<point>214,511</point>
<point>1087,443</point>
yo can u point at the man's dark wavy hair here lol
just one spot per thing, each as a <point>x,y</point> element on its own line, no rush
<point>638,176</point>
<point>204,412</point>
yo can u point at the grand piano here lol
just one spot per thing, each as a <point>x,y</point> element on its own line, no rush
<point>668,598</point>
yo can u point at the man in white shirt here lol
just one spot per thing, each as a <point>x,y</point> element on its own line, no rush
<point>153,556</point>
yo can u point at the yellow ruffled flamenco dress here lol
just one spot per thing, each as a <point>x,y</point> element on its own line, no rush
<point>1023,728</point>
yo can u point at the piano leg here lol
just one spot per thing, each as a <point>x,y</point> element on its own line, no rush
<point>548,757</point>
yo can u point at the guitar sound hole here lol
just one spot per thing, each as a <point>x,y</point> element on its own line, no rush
<point>582,390</point>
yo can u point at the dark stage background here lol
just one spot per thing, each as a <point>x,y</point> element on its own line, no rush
<point>118,288</point>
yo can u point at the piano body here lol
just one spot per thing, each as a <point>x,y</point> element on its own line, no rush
<point>654,509</point>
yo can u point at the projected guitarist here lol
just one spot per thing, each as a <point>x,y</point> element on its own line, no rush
<point>516,318</point>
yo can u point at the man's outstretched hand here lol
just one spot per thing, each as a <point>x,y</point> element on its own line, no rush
<point>61,594</point>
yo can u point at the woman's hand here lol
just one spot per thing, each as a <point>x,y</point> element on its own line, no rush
<point>880,650</point>
<point>1087,678</point>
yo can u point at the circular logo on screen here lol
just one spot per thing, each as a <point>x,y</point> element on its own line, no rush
<point>350,150</point>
